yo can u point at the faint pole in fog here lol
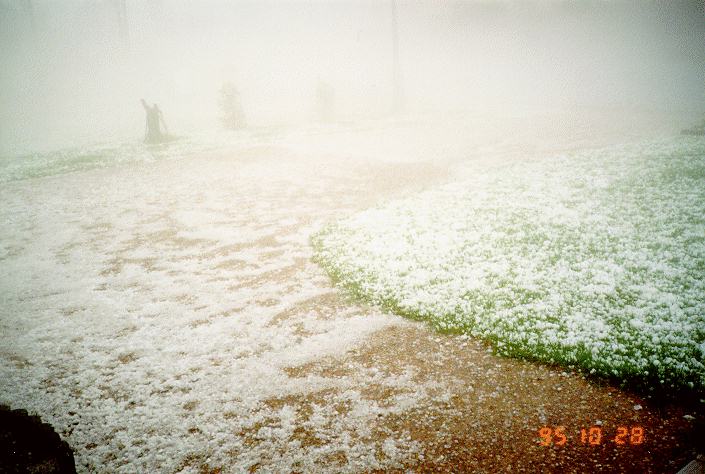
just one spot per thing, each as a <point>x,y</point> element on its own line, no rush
<point>120,7</point>
<point>156,17</point>
<point>325,102</point>
<point>398,99</point>
<point>29,6</point>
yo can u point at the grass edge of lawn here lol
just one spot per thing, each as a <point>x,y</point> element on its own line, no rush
<point>676,387</point>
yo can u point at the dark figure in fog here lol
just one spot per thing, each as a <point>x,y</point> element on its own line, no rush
<point>153,133</point>
<point>232,115</point>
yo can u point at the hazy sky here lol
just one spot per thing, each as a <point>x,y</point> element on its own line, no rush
<point>69,74</point>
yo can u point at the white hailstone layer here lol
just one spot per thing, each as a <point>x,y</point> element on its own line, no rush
<point>593,259</point>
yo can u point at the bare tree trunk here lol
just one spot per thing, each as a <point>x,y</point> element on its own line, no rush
<point>121,10</point>
<point>30,13</point>
<point>398,99</point>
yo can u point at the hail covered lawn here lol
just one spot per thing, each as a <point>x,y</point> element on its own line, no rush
<point>592,259</point>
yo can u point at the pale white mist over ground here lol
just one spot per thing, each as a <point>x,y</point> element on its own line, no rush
<point>70,76</point>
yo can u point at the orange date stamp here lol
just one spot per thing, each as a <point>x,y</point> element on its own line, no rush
<point>593,436</point>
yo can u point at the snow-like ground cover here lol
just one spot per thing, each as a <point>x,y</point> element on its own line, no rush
<point>592,259</point>
<point>151,309</point>
<point>160,308</point>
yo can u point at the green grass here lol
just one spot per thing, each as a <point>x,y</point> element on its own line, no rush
<point>594,261</point>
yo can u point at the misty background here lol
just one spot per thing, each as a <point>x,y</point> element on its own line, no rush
<point>73,71</point>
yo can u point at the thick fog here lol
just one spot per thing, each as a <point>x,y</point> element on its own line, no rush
<point>74,71</point>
